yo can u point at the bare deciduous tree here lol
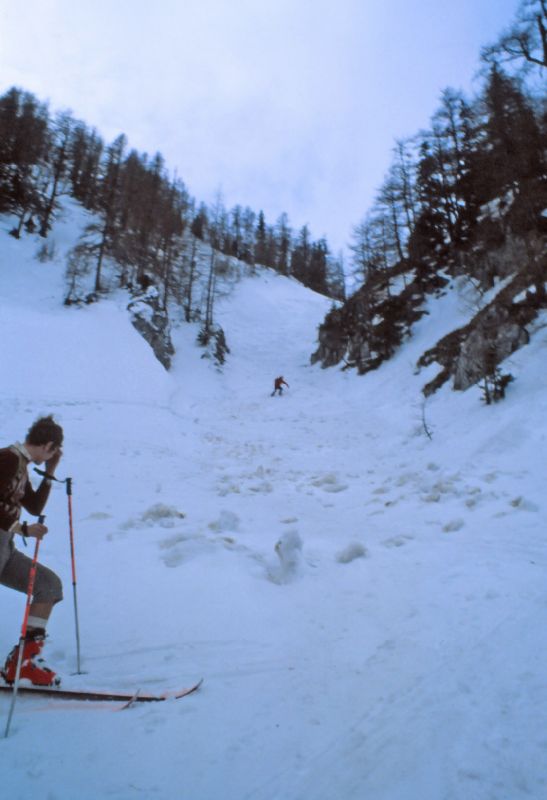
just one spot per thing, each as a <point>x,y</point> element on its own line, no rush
<point>525,41</point>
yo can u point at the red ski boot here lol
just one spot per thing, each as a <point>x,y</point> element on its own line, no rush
<point>33,668</point>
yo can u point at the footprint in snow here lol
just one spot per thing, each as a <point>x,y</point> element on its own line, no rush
<point>159,514</point>
<point>227,521</point>
<point>329,483</point>
<point>522,504</point>
<point>453,525</point>
<point>353,551</point>
<point>397,541</point>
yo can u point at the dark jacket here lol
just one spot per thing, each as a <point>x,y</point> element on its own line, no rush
<point>16,491</point>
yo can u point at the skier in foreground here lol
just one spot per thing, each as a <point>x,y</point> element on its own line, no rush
<point>42,444</point>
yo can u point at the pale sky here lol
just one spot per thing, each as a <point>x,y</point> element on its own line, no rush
<point>283,105</point>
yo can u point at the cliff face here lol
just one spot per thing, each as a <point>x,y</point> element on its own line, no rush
<point>475,351</point>
<point>152,322</point>
<point>374,321</point>
<point>377,319</point>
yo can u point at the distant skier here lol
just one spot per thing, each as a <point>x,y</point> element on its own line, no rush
<point>42,444</point>
<point>279,383</point>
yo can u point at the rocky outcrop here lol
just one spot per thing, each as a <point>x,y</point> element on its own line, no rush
<point>152,322</point>
<point>213,341</point>
<point>369,327</point>
<point>491,340</point>
<point>475,351</point>
<point>373,322</point>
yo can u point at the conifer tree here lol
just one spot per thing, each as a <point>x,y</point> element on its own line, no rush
<point>261,244</point>
<point>200,222</point>
<point>58,159</point>
<point>236,229</point>
<point>23,151</point>
<point>514,142</point>
<point>300,257</point>
<point>109,204</point>
<point>87,149</point>
<point>248,222</point>
<point>283,244</point>
<point>317,272</point>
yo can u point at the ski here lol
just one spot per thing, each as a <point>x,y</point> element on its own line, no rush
<point>93,695</point>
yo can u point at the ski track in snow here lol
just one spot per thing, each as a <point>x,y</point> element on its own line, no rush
<point>367,607</point>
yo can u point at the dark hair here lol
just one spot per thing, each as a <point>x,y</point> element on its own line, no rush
<point>45,430</point>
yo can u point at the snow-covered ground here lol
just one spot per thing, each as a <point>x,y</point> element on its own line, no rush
<point>367,607</point>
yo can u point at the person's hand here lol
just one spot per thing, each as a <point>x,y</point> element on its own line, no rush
<point>36,530</point>
<point>53,460</point>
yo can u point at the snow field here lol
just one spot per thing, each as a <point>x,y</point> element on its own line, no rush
<point>366,606</point>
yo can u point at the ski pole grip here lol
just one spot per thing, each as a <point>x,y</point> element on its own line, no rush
<point>68,482</point>
<point>41,519</point>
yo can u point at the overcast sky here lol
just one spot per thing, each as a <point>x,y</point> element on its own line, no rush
<point>283,105</point>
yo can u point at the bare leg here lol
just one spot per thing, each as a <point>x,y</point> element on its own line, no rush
<point>38,616</point>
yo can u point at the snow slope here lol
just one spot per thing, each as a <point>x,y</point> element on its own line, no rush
<point>367,606</point>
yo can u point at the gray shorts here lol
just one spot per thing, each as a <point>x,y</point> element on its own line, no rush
<point>14,573</point>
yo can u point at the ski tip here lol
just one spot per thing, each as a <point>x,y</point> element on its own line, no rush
<point>190,689</point>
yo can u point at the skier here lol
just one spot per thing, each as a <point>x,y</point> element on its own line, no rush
<point>278,385</point>
<point>42,444</point>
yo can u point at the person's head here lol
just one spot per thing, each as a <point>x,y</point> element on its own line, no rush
<point>44,438</point>
<point>45,430</point>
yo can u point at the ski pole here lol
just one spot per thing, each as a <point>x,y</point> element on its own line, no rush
<point>68,482</point>
<point>30,592</point>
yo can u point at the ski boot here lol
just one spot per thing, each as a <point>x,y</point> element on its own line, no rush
<point>33,668</point>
